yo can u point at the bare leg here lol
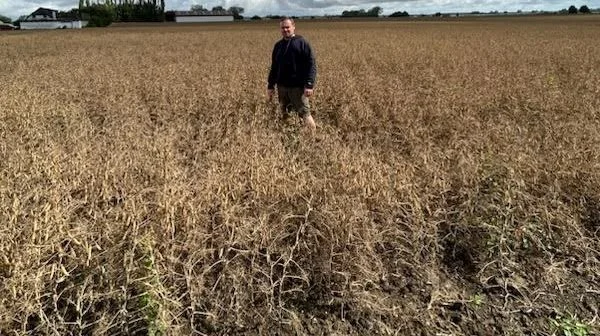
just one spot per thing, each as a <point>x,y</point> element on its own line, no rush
<point>309,122</point>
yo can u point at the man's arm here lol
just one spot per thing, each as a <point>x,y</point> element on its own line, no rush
<point>274,67</point>
<point>311,66</point>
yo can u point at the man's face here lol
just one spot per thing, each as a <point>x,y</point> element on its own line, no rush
<point>287,28</point>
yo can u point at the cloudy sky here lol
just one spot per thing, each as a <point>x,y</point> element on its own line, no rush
<point>16,8</point>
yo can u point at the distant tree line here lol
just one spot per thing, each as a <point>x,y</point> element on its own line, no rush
<point>236,11</point>
<point>573,10</point>
<point>376,11</point>
<point>399,14</point>
<point>105,12</point>
<point>373,12</point>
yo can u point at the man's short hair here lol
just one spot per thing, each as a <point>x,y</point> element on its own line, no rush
<point>284,18</point>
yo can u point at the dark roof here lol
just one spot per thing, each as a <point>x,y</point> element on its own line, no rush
<point>44,11</point>
<point>47,14</point>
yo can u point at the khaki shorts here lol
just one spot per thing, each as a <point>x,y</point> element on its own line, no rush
<point>292,98</point>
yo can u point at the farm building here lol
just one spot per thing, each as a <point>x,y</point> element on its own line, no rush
<point>6,26</point>
<point>203,16</point>
<point>45,18</point>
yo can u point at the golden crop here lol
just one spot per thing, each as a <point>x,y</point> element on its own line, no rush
<point>452,186</point>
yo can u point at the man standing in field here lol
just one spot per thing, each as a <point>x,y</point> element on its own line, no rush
<point>293,71</point>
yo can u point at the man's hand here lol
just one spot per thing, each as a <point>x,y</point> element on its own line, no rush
<point>270,93</point>
<point>308,92</point>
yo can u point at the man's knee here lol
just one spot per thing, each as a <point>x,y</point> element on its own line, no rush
<point>284,111</point>
<point>304,109</point>
<point>304,113</point>
<point>302,105</point>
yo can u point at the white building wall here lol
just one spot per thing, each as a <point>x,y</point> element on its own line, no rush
<point>207,18</point>
<point>52,24</point>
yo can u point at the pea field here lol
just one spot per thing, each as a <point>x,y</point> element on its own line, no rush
<point>452,186</point>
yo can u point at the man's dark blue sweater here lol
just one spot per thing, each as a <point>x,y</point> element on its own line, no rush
<point>293,64</point>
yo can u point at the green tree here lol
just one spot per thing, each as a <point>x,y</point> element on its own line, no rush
<point>198,8</point>
<point>72,14</point>
<point>399,14</point>
<point>572,10</point>
<point>237,12</point>
<point>100,15</point>
<point>354,13</point>
<point>584,9</point>
<point>5,19</point>
<point>170,16</point>
<point>375,11</point>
